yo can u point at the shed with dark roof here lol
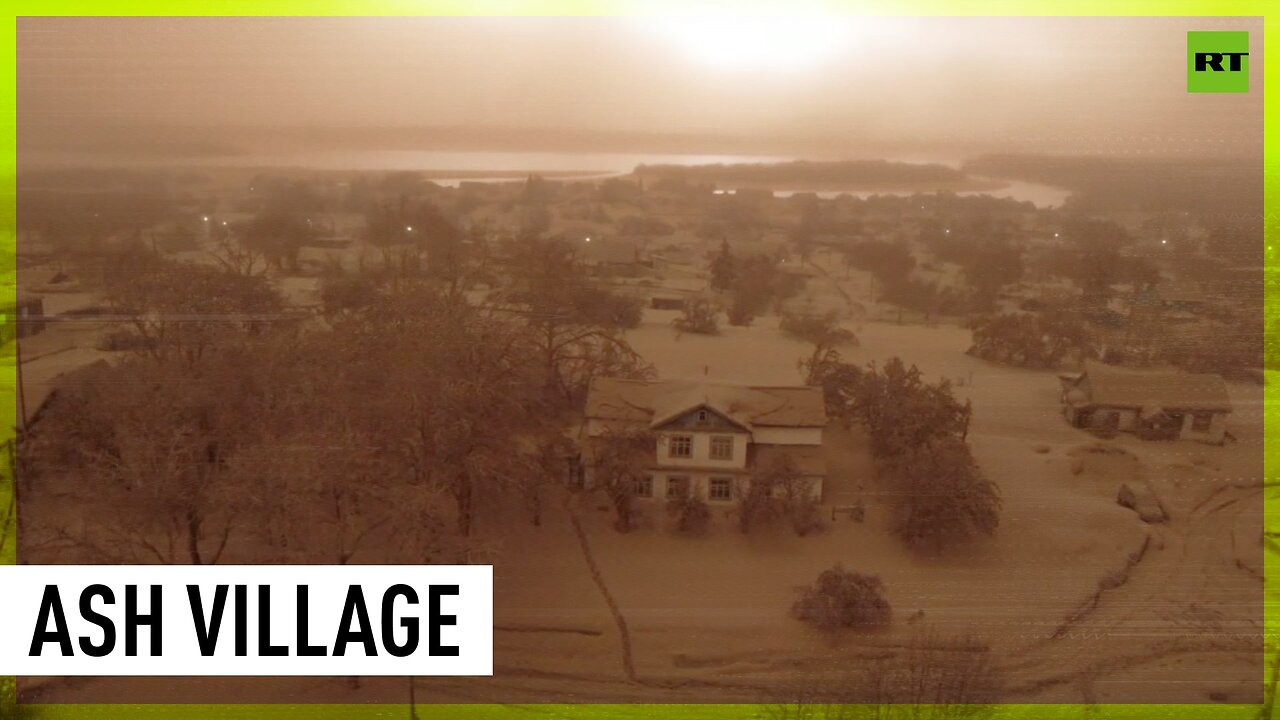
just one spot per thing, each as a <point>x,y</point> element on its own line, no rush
<point>1190,405</point>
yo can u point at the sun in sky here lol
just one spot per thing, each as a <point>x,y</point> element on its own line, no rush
<point>782,42</point>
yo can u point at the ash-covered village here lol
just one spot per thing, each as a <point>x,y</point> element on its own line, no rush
<point>717,441</point>
<point>804,424</point>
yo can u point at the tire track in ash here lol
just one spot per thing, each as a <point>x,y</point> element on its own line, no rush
<point>1187,595</point>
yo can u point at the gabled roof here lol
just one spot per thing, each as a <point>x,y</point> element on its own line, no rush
<point>1168,390</point>
<point>655,403</point>
<point>684,400</point>
<point>600,250</point>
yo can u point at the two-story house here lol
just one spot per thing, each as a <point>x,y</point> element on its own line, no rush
<point>710,439</point>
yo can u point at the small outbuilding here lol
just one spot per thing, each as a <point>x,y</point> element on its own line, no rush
<point>1153,404</point>
<point>25,317</point>
<point>666,302</point>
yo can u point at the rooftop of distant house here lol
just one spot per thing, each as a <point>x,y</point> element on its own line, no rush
<point>609,251</point>
<point>1111,386</point>
<point>659,402</point>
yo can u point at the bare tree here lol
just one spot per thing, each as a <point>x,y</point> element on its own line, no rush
<point>932,678</point>
<point>548,461</point>
<point>180,310</point>
<point>823,331</point>
<point>778,490</point>
<point>617,462</point>
<point>237,257</point>
<point>448,387</point>
<point>328,496</point>
<point>149,440</point>
<point>935,677</point>
<point>576,328</point>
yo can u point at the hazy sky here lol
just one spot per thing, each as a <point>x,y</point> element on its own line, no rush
<point>1051,84</point>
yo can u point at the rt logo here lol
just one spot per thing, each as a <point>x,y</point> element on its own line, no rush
<point>1213,61</point>
<point>1217,62</point>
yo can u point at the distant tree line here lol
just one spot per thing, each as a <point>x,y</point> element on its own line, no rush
<point>754,284</point>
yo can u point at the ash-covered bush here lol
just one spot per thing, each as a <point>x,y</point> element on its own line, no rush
<point>692,515</point>
<point>843,599</point>
<point>700,317</point>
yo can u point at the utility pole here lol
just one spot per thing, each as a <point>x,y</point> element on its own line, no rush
<point>413,705</point>
<point>22,393</point>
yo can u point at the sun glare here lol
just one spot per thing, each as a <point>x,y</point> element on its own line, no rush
<point>758,42</point>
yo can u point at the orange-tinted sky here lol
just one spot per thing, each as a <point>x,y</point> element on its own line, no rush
<point>1049,84</point>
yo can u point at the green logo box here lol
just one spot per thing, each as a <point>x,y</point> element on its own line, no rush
<point>1217,61</point>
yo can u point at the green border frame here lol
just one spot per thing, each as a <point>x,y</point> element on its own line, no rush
<point>1271,189</point>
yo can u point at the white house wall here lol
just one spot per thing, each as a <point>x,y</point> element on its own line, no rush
<point>1217,428</point>
<point>702,451</point>
<point>787,436</point>
<point>700,483</point>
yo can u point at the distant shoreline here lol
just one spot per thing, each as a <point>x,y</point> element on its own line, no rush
<point>889,176</point>
<point>968,184</point>
<point>781,176</point>
<point>187,164</point>
<point>971,185</point>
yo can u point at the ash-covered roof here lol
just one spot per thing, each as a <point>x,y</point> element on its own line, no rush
<point>1168,390</point>
<point>655,403</point>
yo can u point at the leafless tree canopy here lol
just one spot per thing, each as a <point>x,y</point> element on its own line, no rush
<point>236,433</point>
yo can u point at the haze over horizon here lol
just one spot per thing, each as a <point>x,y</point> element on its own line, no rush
<point>814,86</point>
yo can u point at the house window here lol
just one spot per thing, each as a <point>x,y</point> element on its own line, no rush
<point>1200,422</point>
<point>677,487</point>
<point>681,446</point>
<point>702,417</point>
<point>644,486</point>
<point>577,474</point>
<point>722,447</point>
<point>720,488</point>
